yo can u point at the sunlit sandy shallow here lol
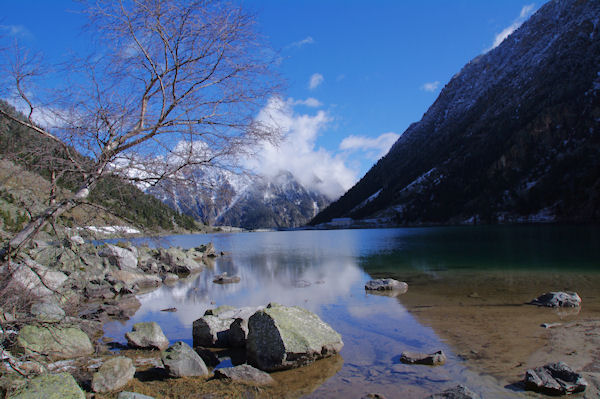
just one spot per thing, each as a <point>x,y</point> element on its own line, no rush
<point>467,292</point>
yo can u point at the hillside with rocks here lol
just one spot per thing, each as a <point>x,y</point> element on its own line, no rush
<point>513,137</point>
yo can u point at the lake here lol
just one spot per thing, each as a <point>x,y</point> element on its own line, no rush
<point>467,292</point>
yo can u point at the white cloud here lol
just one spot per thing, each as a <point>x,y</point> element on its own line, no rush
<point>525,13</point>
<point>315,168</point>
<point>303,42</point>
<point>374,148</point>
<point>315,80</point>
<point>431,86</point>
<point>309,102</point>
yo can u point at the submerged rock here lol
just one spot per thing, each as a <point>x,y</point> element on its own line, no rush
<point>244,373</point>
<point>554,379</point>
<point>50,386</point>
<point>386,284</point>
<point>225,279</point>
<point>434,359</point>
<point>54,341</point>
<point>147,335</point>
<point>457,392</point>
<point>113,375</point>
<point>557,299</point>
<point>282,337</point>
<point>182,361</point>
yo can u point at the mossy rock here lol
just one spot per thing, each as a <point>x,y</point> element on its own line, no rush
<point>54,341</point>
<point>50,386</point>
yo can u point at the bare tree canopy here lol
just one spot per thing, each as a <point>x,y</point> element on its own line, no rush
<point>172,84</point>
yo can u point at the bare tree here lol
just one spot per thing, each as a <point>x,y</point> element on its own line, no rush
<point>173,84</point>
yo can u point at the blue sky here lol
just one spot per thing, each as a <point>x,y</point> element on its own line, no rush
<point>375,67</point>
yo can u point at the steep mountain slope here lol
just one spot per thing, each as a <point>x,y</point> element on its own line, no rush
<point>223,198</point>
<point>514,136</point>
<point>113,200</point>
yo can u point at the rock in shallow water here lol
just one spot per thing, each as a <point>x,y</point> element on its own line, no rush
<point>434,359</point>
<point>457,392</point>
<point>386,284</point>
<point>113,375</point>
<point>147,335</point>
<point>557,299</point>
<point>244,373</point>
<point>554,379</point>
<point>182,361</point>
<point>282,337</point>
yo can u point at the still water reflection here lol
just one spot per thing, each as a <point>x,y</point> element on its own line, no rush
<point>325,272</point>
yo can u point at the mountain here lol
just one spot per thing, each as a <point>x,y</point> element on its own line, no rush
<point>25,172</point>
<point>222,198</point>
<point>513,137</point>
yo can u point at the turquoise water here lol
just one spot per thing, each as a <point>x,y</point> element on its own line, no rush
<point>325,272</point>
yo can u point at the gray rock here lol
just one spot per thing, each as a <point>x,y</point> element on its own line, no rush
<point>47,311</point>
<point>136,279</point>
<point>113,375</point>
<point>77,240</point>
<point>223,327</point>
<point>554,379</point>
<point>373,396</point>
<point>557,299</point>
<point>211,331</point>
<point>282,337</point>
<point>182,361</point>
<point>244,373</point>
<point>35,279</point>
<point>123,258</point>
<point>132,395</point>
<point>50,386</point>
<point>209,357</point>
<point>225,279</point>
<point>434,359</point>
<point>457,392</point>
<point>147,335</point>
<point>386,284</point>
<point>178,261</point>
<point>170,278</point>
<point>54,341</point>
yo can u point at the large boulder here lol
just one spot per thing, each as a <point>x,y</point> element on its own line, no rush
<point>113,375</point>
<point>35,278</point>
<point>182,361</point>
<point>147,335</point>
<point>123,258</point>
<point>386,284</point>
<point>244,373</point>
<point>54,341</point>
<point>554,379</point>
<point>178,261</point>
<point>557,299</point>
<point>223,327</point>
<point>282,337</point>
<point>50,386</point>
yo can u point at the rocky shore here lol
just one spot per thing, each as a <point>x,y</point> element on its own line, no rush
<point>52,329</point>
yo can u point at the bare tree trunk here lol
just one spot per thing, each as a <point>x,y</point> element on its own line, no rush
<point>52,212</point>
